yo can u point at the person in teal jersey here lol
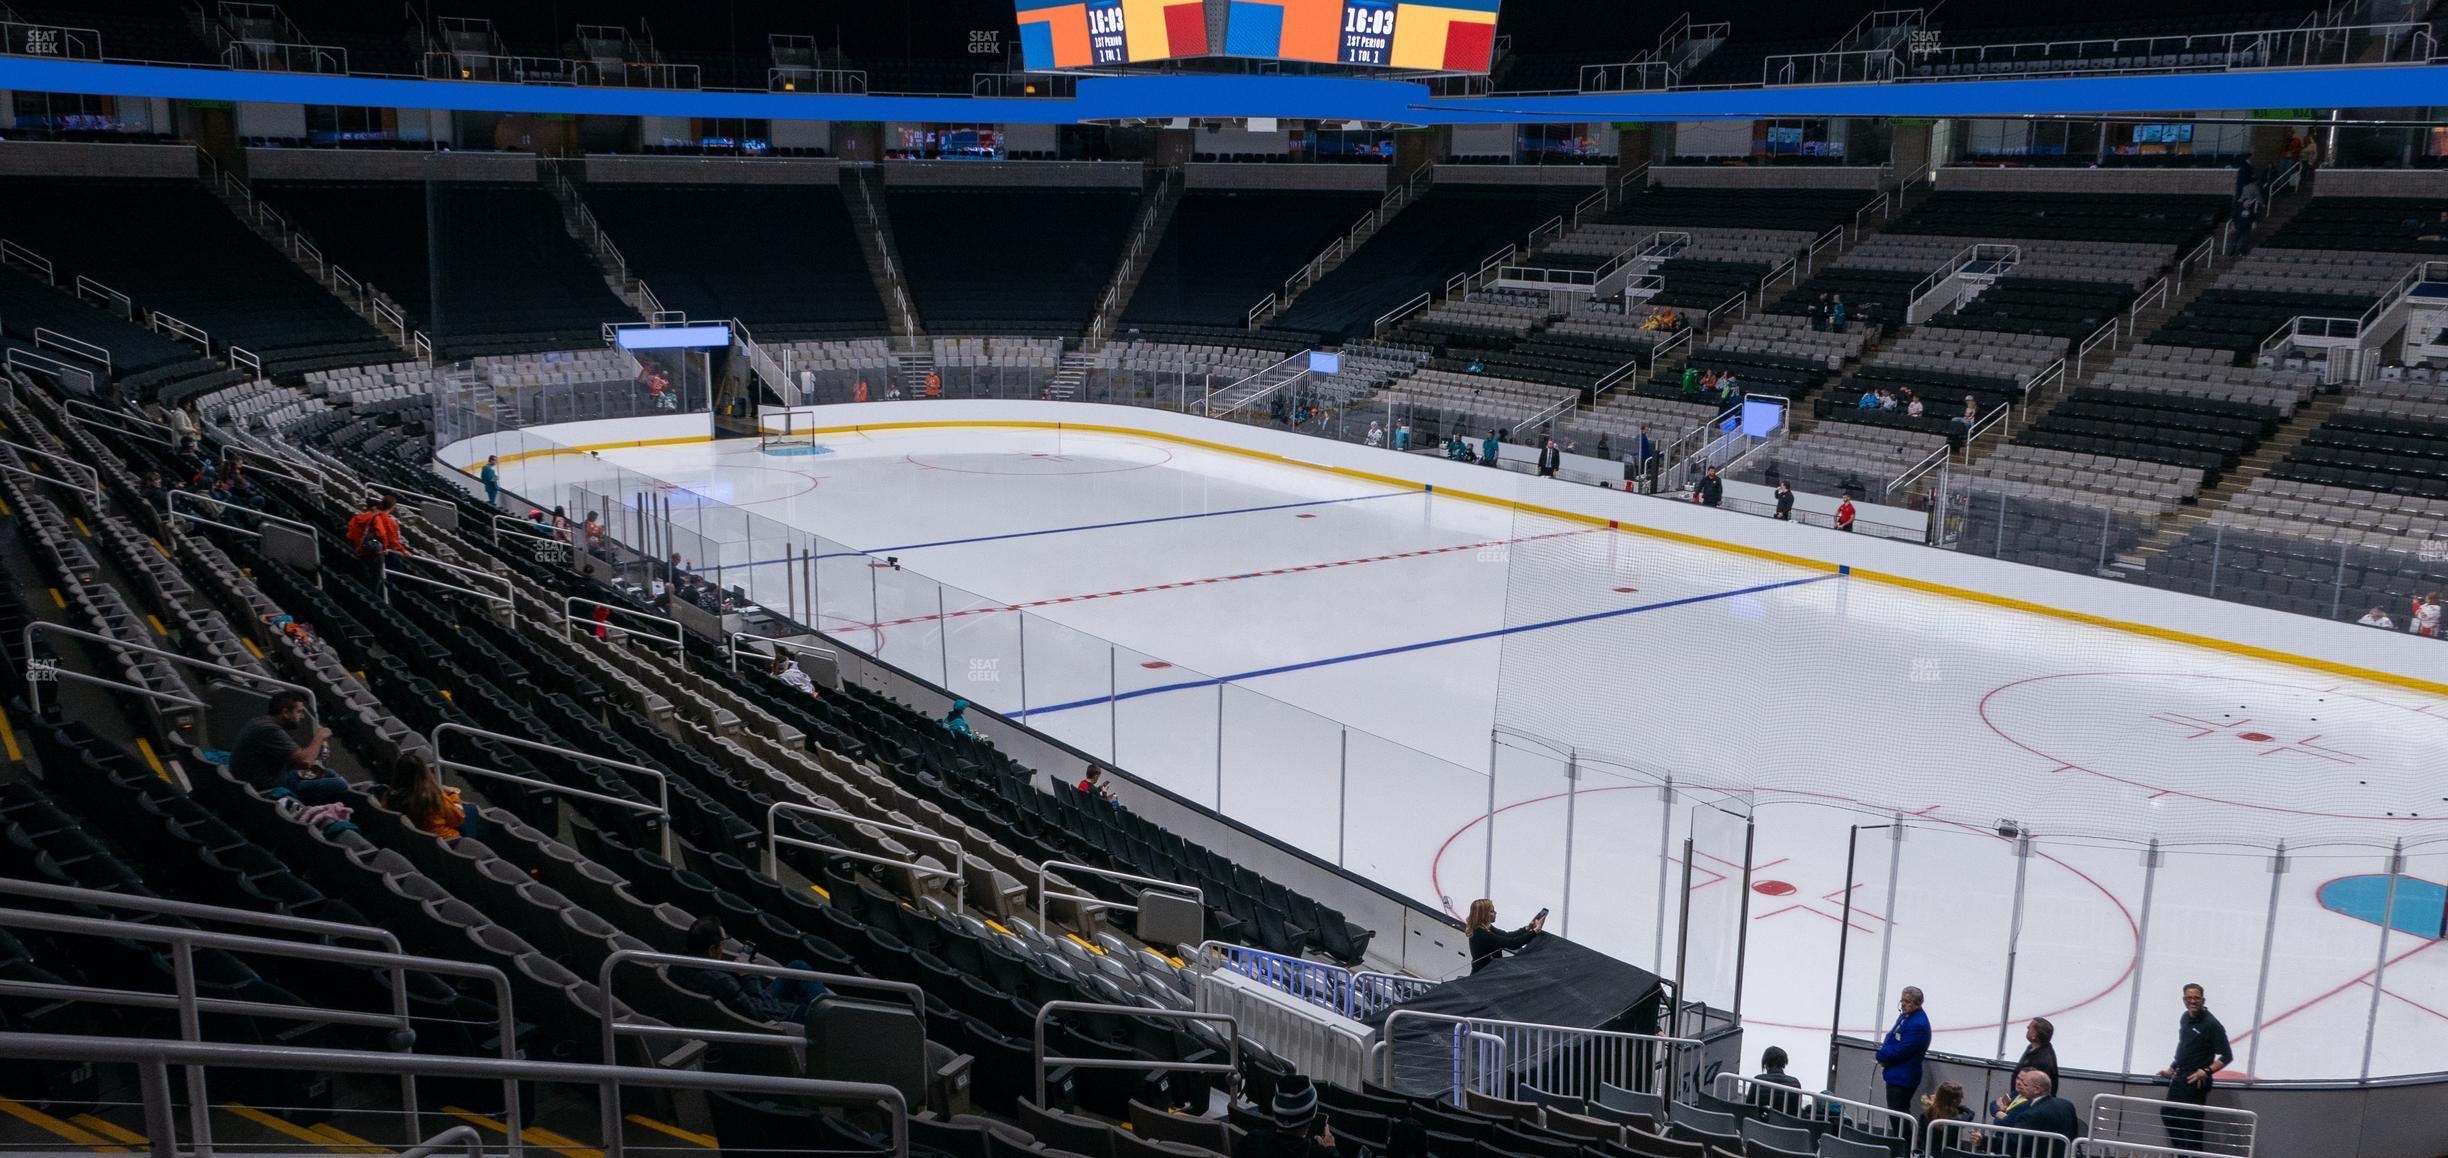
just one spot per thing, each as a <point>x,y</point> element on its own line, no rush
<point>1487,450</point>
<point>956,722</point>
<point>490,476</point>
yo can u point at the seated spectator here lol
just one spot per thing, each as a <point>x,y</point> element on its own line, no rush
<point>2378,618</point>
<point>1914,409</point>
<point>1093,784</point>
<point>956,721</point>
<point>1944,1104</point>
<point>418,795</point>
<point>787,670</point>
<point>267,755</point>
<point>1295,1131</point>
<point>1871,400</point>
<point>2036,1106</point>
<point>2425,619</point>
<point>1971,414</point>
<point>156,492</point>
<point>1691,380</point>
<point>1772,1073</point>
<point>750,996</point>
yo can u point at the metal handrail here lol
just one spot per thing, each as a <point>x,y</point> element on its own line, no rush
<point>34,686</point>
<point>570,604</point>
<point>1040,1060</point>
<point>661,807</point>
<point>805,648</point>
<point>31,260</point>
<point>95,490</point>
<point>174,514</point>
<point>2154,294</point>
<point>774,841</point>
<point>610,1112</point>
<point>161,321</point>
<point>1976,1137</point>
<point>507,599</point>
<point>88,289</point>
<point>2233,1129</point>
<point>1740,1090</point>
<point>2106,333</point>
<point>154,1058</point>
<point>190,1005</point>
<point>1045,870</point>
<point>45,890</point>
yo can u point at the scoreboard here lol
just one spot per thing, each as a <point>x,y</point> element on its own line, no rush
<point>1429,35</point>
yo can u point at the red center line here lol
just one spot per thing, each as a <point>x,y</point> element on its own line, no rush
<point>1305,567</point>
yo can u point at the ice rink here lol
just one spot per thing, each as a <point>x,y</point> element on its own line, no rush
<point>1340,663</point>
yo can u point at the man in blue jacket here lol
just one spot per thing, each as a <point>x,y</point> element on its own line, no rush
<point>1901,1051</point>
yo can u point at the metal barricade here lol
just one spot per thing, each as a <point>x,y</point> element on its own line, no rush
<point>774,841</point>
<point>1318,983</point>
<point>1949,1139</point>
<point>1040,1060</point>
<point>2123,1125</point>
<point>1824,1107</point>
<point>660,808</point>
<point>1561,1059</point>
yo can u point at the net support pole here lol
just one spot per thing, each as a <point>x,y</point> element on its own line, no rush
<point>1024,692</point>
<point>1666,802</point>
<point>943,636</point>
<point>2142,925</point>
<point>1742,927</point>
<point>1844,945</point>
<point>1895,868</point>
<point>1683,934</point>
<point>1487,870</point>
<point>2388,922</point>
<point>1572,794</point>
<point>2269,946</point>
<point>2014,938</point>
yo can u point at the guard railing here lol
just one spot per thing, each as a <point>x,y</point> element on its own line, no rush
<point>660,809</point>
<point>774,842</point>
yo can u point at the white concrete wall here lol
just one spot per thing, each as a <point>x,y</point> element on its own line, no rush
<point>2310,642</point>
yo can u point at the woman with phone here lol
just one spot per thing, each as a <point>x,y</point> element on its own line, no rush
<point>1486,942</point>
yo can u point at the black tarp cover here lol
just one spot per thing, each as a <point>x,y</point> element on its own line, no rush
<point>1551,981</point>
